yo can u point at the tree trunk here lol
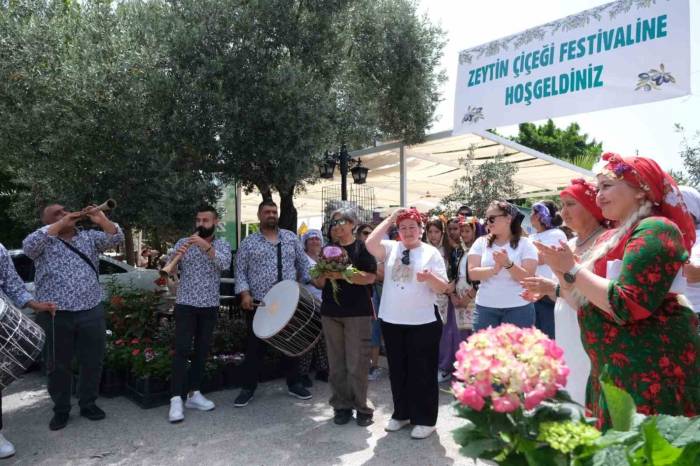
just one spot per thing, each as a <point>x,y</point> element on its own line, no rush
<point>129,245</point>
<point>288,213</point>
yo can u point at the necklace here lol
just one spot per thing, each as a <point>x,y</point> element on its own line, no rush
<point>581,243</point>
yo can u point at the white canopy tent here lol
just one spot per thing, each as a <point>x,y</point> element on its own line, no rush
<point>422,174</point>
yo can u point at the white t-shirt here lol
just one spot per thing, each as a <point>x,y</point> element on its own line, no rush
<point>405,300</point>
<point>549,237</point>
<point>501,291</point>
<point>692,290</point>
<point>317,292</point>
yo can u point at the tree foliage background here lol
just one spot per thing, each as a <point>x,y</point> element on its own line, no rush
<point>158,103</point>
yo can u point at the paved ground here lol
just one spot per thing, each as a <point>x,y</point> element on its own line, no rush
<point>274,429</point>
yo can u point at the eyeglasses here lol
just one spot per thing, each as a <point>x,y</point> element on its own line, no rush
<point>405,257</point>
<point>402,229</point>
<point>340,221</point>
<point>492,218</point>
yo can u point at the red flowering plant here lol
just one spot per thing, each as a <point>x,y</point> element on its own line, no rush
<point>150,360</point>
<point>130,312</point>
<point>334,259</point>
<point>509,389</point>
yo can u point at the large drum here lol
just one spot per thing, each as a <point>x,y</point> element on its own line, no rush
<point>21,341</point>
<point>290,318</point>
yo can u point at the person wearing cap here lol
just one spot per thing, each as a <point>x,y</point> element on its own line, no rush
<point>634,326</point>
<point>414,274</point>
<point>312,241</point>
<point>499,261</point>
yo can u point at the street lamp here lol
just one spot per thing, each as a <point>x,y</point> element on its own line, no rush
<point>342,158</point>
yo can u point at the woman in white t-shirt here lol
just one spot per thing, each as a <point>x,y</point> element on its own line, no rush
<point>691,270</point>
<point>414,274</point>
<point>545,219</point>
<point>499,261</point>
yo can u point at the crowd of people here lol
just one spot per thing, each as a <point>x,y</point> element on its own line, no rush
<point>616,288</point>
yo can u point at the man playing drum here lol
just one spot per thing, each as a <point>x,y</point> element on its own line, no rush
<point>266,258</point>
<point>66,261</point>
<point>12,286</point>
<point>196,309</point>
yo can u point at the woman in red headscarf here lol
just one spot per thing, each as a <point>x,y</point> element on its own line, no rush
<point>631,319</point>
<point>414,274</point>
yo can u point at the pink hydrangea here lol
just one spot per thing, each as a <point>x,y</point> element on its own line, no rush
<point>508,367</point>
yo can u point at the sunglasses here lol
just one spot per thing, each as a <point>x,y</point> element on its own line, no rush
<point>492,218</point>
<point>365,232</point>
<point>405,258</point>
<point>340,221</point>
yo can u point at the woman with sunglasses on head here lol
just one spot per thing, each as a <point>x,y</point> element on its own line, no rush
<point>545,219</point>
<point>581,213</point>
<point>632,321</point>
<point>499,261</point>
<point>414,276</point>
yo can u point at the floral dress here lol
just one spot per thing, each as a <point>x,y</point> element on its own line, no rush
<point>648,342</point>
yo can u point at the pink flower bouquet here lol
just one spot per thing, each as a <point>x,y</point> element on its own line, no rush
<point>334,259</point>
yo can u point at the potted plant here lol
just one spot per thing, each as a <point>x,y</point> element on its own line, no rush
<point>116,366</point>
<point>150,371</point>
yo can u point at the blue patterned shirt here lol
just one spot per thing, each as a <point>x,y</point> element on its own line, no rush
<point>256,263</point>
<point>10,283</point>
<point>200,274</point>
<point>63,277</point>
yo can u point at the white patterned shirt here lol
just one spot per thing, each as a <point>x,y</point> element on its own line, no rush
<point>10,283</point>
<point>200,274</point>
<point>63,277</point>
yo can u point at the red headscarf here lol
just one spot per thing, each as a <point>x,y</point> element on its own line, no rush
<point>585,194</point>
<point>659,187</point>
<point>410,214</point>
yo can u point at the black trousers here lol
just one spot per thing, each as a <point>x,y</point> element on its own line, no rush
<point>255,350</point>
<point>412,352</point>
<point>193,325</point>
<point>69,333</point>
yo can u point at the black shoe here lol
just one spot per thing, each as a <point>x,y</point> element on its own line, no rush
<point>59,421</point>
<point>364,420</point>
<point>298,391</point>
<point>342,416</point>
<point>306,381</point>
<point>243,398</point>
<point>93,413</point>
<point>322,376</point>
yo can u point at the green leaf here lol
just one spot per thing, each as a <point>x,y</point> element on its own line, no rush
<point>620,404</point>
<point>690,456</point>
<point>658,451</point>
<point>679,430</point>
<point>477,448</point>
<point>615,455</point>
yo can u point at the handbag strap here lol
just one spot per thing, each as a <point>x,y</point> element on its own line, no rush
<point>279,261</point>
<point>82,256</point>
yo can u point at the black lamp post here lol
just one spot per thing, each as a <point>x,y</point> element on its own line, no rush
<point>327,167</point>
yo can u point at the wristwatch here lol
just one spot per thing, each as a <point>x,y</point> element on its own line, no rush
<point>570,276</point>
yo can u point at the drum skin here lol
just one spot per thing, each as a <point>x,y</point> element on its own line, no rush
<point>21,342</point>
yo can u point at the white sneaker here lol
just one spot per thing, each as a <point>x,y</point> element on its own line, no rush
<point>197,401</point>
<point>394,425</point>
<point>420,432</point>
<point>6,447</point>
<point>444,376</point>
<point>176,412</point>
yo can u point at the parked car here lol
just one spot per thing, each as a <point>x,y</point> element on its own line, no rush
<point>110,270</point>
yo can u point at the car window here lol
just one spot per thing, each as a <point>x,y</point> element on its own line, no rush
<point>24,266</point>
<point>108,268</point>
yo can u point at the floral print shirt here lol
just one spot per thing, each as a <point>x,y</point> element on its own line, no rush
<point>64,278</point>
<point>256,263</point>
<point>10,283</point>
<point>200,274</point>
<point>649,341</point>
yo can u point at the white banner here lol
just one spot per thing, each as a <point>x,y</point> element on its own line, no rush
<point>622,53</point>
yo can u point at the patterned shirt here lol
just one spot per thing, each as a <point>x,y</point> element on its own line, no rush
<point>63,277</point>
<point>256,263</point>
<point>10,283</point>
<point>200,274</point>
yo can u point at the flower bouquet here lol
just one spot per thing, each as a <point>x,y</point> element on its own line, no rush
<point>334,259</point>
<point>509,389</point>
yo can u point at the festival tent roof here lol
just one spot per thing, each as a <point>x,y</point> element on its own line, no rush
<point>431,168</point>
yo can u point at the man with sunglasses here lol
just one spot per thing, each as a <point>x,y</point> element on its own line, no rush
<point>264,259</point>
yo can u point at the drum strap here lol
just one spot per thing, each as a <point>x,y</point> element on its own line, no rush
<point>279,261</point>
<point>82,256</point>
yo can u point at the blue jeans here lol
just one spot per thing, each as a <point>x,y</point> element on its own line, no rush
<point>521,316</point>
<point>544,316</point>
